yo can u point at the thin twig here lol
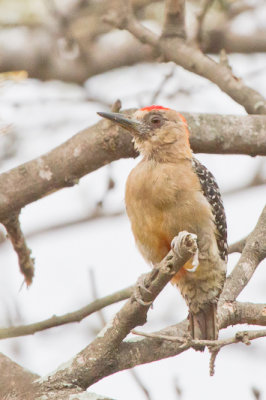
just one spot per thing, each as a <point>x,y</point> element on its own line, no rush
<point>238,246</point>
<point>200,19</point>
<point>96,214</point>
<point>75,316</point>
<point>15,234</point>
<point>95,296</point>
<point>140,384</point>
<point>214,353</point>
<point>175,49</point>
<point>162,84</point>
<point>242,336</point>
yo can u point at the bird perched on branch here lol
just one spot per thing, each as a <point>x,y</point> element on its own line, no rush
<point>170,191</point>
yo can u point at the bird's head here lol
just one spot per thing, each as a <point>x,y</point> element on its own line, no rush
<point>158,132</point>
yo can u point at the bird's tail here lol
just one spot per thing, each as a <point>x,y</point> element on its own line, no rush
<point>203,325</point>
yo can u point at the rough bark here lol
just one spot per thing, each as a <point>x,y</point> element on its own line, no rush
<point>104,142</point>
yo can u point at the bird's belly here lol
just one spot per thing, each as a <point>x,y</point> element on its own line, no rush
<point>154,228</point>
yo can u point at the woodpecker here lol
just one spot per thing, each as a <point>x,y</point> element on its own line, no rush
<point>170,191</point>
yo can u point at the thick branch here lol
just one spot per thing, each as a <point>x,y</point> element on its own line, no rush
<point>75,316</point>
<point>89,364</point>
<point>253,253</point>
<point>233,313</point>
<point>138,351</point>
<point>104,142</point>
<point>15,381</point>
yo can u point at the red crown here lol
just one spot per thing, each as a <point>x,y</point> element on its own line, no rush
<point>150,108</point>
<point>153,107</point>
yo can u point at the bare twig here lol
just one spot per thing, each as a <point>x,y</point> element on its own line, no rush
<point>256,393</point>
<point>242,336</point>
<point>140,384</point>
<point>158,91</point>
<point>75,316</point>
<point>176,50</point>
<point>200,19</point>
<point>214,353</point>
<point>95,296</point>
<point>26,262</point>
<point>237,247</point>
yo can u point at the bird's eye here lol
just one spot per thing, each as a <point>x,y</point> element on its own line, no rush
<point>155,120</point>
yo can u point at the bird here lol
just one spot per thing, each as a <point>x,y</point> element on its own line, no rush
<point>170,191</point>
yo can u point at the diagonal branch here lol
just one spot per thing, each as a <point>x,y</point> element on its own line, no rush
<point>253,253</point>
<point>75,316</point>
<point>176,50</point>
<point>14,379</point>
<point>88,366</point>
<point>138,351</point>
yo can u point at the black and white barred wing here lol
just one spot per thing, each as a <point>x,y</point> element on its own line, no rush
<point>212,193</point>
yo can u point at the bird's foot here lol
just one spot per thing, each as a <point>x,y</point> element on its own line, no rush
<point>186,239</point>
<point>189,240</point>
<point>141,287</point>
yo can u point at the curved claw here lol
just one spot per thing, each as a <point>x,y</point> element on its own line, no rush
<point>142,302</point>
<point>137,295</point>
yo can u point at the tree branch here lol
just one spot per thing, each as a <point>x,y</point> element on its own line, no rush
<point>15,234</point>
<point>242,336</point>
<point>200,20</point>
<point>105,142</point>
<point>137,351</point>
<point>174,19</point>
<point>233,313</point>
<point>238,246</point>
<point>192,59</point>
<point>15,380</point>
<point>75,316</point>
<point>17,383</point>
<point>253,253</point>
<point>89,365</point>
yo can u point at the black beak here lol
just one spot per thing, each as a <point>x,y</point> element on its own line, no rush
<point>129,124</point>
